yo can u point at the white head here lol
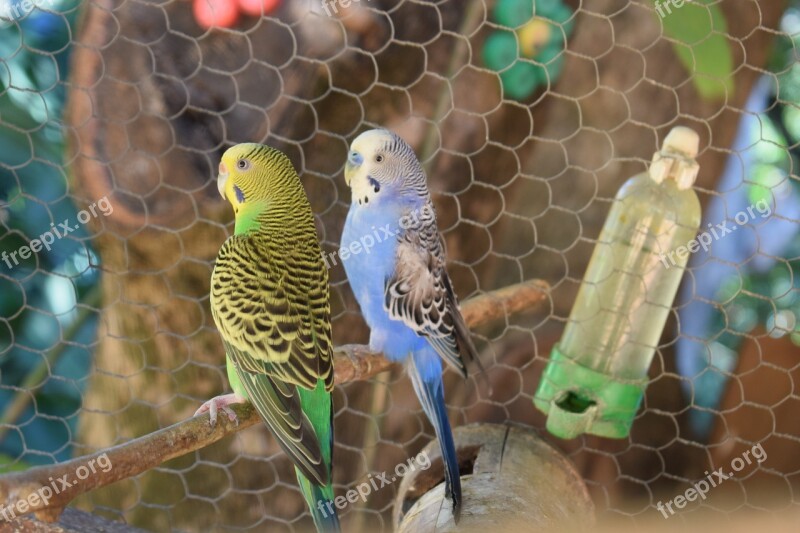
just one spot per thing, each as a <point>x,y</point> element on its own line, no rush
<point>380,164</point>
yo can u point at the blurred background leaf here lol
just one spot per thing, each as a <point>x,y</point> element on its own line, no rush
<point>698,30</point>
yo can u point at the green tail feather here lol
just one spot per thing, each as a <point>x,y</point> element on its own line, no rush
<point>318,408</point>
<point>320,503</point>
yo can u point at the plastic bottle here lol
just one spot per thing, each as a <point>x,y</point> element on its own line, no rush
<point>597,373</point>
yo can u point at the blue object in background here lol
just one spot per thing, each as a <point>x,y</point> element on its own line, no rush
<point>707,350</point>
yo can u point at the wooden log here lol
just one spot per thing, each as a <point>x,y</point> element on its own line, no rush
<point>510,478</point>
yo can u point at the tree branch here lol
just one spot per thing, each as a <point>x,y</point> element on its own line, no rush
<point>352,363</point>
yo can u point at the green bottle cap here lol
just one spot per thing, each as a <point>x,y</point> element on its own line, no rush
<point>577,399</point>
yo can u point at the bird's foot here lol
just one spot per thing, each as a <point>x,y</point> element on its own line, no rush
<point>223,403</point>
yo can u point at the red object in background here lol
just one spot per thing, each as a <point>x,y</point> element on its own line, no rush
<point>215,13</point>
<point>225,13</point>
<point>256,8</point>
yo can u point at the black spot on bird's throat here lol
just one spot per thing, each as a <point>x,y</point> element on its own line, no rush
<point>366,199</point>
<point>375,185</point>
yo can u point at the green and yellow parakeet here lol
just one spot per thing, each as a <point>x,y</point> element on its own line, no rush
<point>270,301</point>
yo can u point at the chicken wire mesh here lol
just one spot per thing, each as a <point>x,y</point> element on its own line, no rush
<point>113,117</point>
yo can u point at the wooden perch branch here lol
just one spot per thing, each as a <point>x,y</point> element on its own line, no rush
<point>355,362</point>
<point>80,475</point>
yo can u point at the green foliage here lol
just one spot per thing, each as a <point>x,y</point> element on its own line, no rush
<point>697,30</point>
<point>10,464</point>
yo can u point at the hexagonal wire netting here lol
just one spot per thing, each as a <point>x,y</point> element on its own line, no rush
<point>528,117</point>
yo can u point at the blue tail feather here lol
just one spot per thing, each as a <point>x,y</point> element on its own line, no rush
<point>426,376</point>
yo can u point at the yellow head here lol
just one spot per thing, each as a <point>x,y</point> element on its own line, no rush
<point>260,183</point>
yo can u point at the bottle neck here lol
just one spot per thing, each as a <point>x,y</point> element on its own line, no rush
<point>674,166</point>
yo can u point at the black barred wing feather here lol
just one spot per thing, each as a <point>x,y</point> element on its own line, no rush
<point>270,302</point>
<point>420,294</point>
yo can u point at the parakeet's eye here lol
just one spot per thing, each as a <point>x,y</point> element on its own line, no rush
<point>378,158</point>
<point>243,164</point>
<point>239,194</point>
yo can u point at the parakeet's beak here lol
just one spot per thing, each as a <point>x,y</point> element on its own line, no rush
<point>222,179</point>
<point>354,160</point>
